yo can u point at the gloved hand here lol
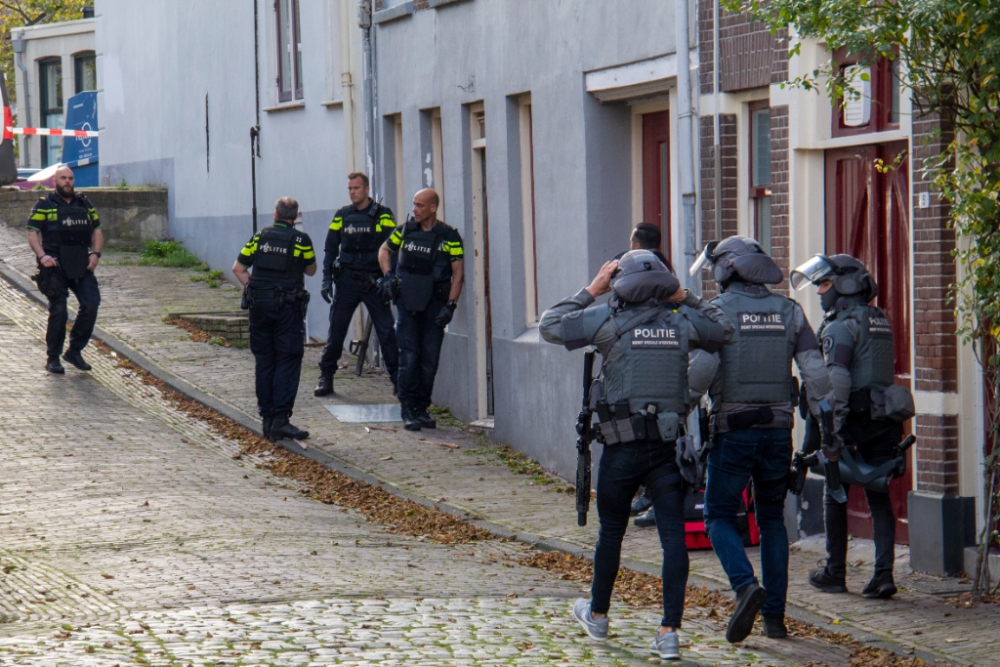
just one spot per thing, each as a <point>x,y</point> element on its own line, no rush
<point>832,447</point>
<point>327,291</point>
<point>387,287</point>
<point>447,312</point>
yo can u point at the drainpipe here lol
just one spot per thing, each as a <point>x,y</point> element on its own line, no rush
<point>365,21</point>
<point>717,148</point>
<point>347,86</point>
<point>18,43</point>
<point>685,136</point>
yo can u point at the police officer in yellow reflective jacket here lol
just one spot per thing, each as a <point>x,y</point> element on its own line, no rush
<point>426,284</point>
<point>350,262</point>
<point>280,256</point>
<point>68,252</point>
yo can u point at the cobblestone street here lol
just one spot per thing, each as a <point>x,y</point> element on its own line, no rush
<point>134,536</point>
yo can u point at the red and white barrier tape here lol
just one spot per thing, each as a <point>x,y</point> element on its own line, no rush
<point>50,132</point>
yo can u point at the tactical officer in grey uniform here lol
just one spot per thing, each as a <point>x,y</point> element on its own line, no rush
<point>752,407</point>
<point>658,345</point>
<point>858,345</point>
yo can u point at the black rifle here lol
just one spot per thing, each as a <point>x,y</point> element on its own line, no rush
<point>585,436</point>
<point>831,468</point>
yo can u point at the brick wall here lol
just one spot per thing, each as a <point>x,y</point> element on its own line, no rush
<point>779,192</point>
<point>937,453</point>
<point>936,347</point>
<point>749,56</point>
<point>729,155</point>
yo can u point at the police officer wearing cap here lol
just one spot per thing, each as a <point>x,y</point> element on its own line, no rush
<point>752,404</point>
<point>280,256</point>
<point>659,346</point>
<point>68,252</point>
<point>858,345</point>
<point>426,285</point>
<point>350,261</point>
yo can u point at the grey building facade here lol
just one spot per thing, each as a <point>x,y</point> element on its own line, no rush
<point>547,128</point>
<point>178,98</point>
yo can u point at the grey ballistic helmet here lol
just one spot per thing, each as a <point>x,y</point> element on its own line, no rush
<point>738,256</point>
<point>848,275</point>
<point>641,276</point>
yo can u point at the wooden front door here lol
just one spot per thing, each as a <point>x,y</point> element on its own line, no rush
<point>656,174</point>
<point>867,216</point>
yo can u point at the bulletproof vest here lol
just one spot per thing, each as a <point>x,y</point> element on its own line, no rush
<point>873,365</point>
<point>418,254</point>
<point>274,260</point>
<point>649,363</point>
<point>359,241</point>
<point>756,363</point>
<point>75,228</point>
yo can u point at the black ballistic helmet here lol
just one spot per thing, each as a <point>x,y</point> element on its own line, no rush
<point>848,275</point>
<point>738,256</point>
<point>641,277</point>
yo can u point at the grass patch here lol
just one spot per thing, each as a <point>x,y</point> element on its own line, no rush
<point>168,253</point>
<point>444,417</point>
<point>520,464</point>
<point>212,278</point>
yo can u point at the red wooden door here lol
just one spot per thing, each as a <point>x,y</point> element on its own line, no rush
<point>867,216</point>
<point>656,173</point>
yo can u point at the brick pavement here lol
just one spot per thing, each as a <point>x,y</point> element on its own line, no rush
<point>133,536</point>
<point>136,298</point>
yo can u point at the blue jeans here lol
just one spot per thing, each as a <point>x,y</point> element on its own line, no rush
<point>89,296</point>
<point>764,455</point>
<point>277,340</point>
<point>622,470</point>
<point>419,353</point>
<point>351,291</point>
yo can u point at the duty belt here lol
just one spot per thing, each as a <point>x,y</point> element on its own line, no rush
<point>762,417</point>
<point>618,425</point>
<point>271,293</point>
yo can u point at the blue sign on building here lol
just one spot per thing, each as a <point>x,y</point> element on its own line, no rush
<point>80,154</point>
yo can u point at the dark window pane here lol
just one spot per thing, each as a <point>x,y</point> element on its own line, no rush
<point>297,49</point>
<point>86,72</point>
<point>762,215</point>
<point>284,52</point>
<point>760,122</point>
<point>894,88</point>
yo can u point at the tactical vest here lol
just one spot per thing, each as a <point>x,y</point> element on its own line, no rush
<point>359,241</point>
<point>873,366</point>
<point>74,233</point>
<point>757,362</point>
<point>649,364</point>
<point>418,255</point>
<point>274,260</point>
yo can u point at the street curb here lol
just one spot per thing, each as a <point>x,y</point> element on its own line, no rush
<point>181,386</point>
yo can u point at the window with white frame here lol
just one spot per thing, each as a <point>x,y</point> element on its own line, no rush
<point>528,208</point>
<point>760,172</point>
<point>289,50</point>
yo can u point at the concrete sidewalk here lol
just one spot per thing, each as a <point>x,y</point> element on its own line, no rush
<point>473,480</point>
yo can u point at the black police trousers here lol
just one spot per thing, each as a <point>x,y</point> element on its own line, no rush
<point>87,293</point>
<point>876,441</point>
<point>419,353</point>
<point>277,340</point>
<point>351,291</point>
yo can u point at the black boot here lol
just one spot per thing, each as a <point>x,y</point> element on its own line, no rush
<point>774,627</point>
<point>881,587</point>
<point>410,421</point>
<point>282,428</point>
<point>645,520</point>
<point>749,600</point>
<point>53,366</point>
<point>424,417</point>
<point>325,386</point>
<point>268,421</point>
<point>641,504</point>
<point>74,357</point>
<point>827,582</point>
